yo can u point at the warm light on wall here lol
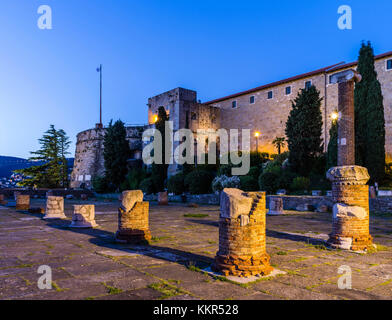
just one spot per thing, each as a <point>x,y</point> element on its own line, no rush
<point>154,118</point>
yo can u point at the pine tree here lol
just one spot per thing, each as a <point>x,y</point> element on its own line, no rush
<point>369,117</point>
<point>332,153</point>
<point>116,153</point>
<point>304,129</point>
<point>159,171</point>
<point>51,173</point>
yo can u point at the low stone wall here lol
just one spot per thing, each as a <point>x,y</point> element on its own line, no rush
<point>41,193</point>
<point>380,204</point>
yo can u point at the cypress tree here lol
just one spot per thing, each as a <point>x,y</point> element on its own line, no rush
<point>116,153</point>
<point>369,117</point>
<point>303,130</point>
<point>332,152</point>
<point>159,171</point>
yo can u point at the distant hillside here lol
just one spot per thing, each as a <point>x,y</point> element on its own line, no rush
<point>9,164</point>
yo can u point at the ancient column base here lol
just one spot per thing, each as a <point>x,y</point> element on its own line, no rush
<point>83,217</point>
<point>133,226</point>
<point>132,236</point>
<point>243,266</point>
<point>54,208</point>
<point>276,207</point>
<point>350,223</point>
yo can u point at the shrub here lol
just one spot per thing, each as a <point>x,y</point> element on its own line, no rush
<point>249,183</point>
<point>268,181</point>
<point>273,168</point>
<point>300,184</point>
<point>221,182</point>
<point>133,179</point>
<point>225,170</point>
<point>280,158</point>
<point>199,182</point>
<point>286,178</point>
<point>176,184</point>
<point>101,185</point>
<point>254,172</point>
<point>147,186</point>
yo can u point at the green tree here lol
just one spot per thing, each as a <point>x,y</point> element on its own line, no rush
<point>159,171</point>
<point>52,172</point>
<point>369,117</point>
<point>116,153</point>
<point>332,153</point>
<point>279,143</point>
<point>303,130</point>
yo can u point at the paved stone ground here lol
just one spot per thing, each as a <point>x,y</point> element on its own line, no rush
<point>87,264</point>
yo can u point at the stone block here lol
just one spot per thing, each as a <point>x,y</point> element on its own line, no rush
<point>276,207</point>
<point>234,203</point>
<point>54,208</point>
<point>83,217</point>
<point>22,202</point>
<point>163,199</point>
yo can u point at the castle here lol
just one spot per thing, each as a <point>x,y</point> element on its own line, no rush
<point>264,109</point>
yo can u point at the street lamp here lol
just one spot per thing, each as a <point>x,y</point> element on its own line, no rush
<point>100,95</point>
<point>334,116</point>
<point>257,135</point>
<point>154,118</point>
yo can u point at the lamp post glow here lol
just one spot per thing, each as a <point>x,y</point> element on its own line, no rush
<point>334,116</point>
<point>257,135</point>
<point>154,118</point>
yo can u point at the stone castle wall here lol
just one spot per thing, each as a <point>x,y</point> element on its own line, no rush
<point>89,160</point>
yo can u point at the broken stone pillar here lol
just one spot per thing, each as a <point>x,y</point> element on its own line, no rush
<point>163,199</point>
<point>242,243</point>
<point>350,223</point>
<point>275,207</point>
<point>54,208</point>
<point>133,225</point>
<point>84,216</point>
<point>22,202</point>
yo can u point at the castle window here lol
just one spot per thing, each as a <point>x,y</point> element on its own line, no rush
<point>193,116</point>
<point>389,64</point>
<point>308,84</point>
<point>252,100</point>
<point>288,90</point>
<point>270,95</point>
<point>234,104</point>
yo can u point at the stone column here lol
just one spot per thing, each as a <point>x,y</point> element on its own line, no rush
<point>54,208</point>
<point>22,202</point>
<point>242,243</point>
<point>350,223</point>
<point>163,199</point>
<point>2,200</point>
<point>133,225</point>
<point>84,216</point>
<point>275,207</point>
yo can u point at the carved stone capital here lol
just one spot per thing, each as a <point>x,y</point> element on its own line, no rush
<point>348,175</point>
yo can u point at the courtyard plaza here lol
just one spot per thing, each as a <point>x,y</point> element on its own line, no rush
<point>88,264</point>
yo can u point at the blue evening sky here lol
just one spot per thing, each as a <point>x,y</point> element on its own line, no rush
<point>148,47</point>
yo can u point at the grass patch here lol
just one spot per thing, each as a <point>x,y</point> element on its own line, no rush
<point>158,239</point>
<point>195,215</point>
<point>281,253</point>
<point>112,290</point>
<point>166,289</point>
<point>57,287</point>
